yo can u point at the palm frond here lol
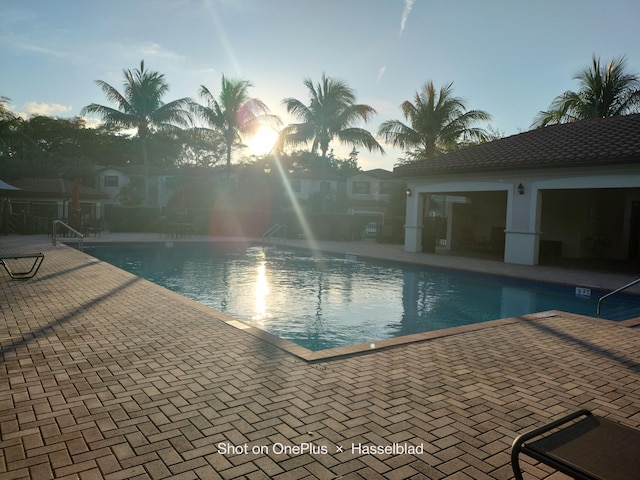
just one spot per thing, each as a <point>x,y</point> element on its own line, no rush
<point>114,96</point>
<point>361,138</point>
<point>437,122</point>
<point>605,90</point>
<point>298,109</point>
<point>295,135</point>
<point>398,134</point>
<point>111,116</point>
<point>330,111</point>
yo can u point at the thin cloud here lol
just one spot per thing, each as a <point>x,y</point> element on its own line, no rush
<point>381,72</point>
<point>20,43</point>
<point>47,109</point>
<point>152,49</point>
<point>92,122</point>
<point>408,5</point>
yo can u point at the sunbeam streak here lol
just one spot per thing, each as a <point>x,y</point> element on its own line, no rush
<point>296,207</point>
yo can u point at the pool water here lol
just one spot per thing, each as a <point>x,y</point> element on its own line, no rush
<point>329,301</point>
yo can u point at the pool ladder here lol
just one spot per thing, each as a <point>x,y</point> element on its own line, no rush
<point>279,230</point>
<point>624,287</point>
<point>70,229</point>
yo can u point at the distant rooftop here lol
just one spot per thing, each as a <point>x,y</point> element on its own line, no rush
<point>602,141</point>
<point>53,187</point>
<point>378,173</point>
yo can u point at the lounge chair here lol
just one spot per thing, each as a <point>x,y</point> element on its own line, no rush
<point>583,446</point>
<point>23,274</point>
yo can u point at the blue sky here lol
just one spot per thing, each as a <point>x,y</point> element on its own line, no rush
<point>508,57</point>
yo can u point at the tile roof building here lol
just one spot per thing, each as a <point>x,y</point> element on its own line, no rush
<point>576,185</point>
<point>56,188</point>
<point>598,142</point>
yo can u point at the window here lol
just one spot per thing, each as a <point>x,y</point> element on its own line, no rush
<point>361,188</point>
<point>111,181</point>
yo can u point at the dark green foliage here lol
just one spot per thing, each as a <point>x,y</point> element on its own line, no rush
<point>438,122</point>
<point>605,91</point>
<point>330,115</point>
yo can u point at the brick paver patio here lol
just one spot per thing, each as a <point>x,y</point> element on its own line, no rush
<point>105,375</point>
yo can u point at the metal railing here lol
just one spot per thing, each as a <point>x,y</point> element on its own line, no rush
<point>70,229</point>
<point>617,290</point>
<point>279,230</point>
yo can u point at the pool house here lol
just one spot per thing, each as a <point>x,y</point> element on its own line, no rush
<point>569,190</point>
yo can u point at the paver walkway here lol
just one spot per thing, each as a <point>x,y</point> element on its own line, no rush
<point>105,375</point>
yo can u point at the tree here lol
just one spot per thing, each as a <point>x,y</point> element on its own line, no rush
<point>201,149</point>
<point>233,114</point>
<point>330,115</point>
<point>349,166</point>
<point>438,122</point>
<point>140,107</point>
<point>5,113</point>
<point>9,129</point>
<point>605,91</point>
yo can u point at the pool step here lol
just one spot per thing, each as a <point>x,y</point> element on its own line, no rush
<point>620,312</point>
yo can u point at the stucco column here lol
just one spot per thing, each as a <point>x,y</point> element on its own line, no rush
<point>413,224</point>
<point>522,235</point>
<point>60,208</point>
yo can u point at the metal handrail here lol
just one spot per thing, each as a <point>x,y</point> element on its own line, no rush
<point>624,287</point>
<point>71,229</point>
<point>274,230</point>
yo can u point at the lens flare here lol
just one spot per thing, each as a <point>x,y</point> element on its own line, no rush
<point>313,244</point>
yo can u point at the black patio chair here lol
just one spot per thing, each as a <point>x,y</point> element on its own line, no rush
<point>22,259</point>
<point>583,446</point>
<point>468,241</point>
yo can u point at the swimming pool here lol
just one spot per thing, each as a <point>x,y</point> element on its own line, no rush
<point>330,301</point>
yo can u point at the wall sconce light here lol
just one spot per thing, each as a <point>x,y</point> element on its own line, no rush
<point>521,189</point>
<point>409,192</point>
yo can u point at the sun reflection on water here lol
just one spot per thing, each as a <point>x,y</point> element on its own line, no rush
<point>262,291</point>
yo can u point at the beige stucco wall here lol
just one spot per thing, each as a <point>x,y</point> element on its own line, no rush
<point>589,203</point>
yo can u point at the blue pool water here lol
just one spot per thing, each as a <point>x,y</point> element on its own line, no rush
<point>331,301</point>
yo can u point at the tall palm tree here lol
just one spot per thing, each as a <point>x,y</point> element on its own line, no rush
<point>140,107</point>
<point>233,114</point>
<point>330,114</point>
<point>438,122</point>
<point>605,91</point>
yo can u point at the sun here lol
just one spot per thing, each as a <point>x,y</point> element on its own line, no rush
<point>263,141</point>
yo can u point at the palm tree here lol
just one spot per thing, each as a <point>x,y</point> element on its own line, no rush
<point>140,107</point>
<point>233,114</point>
<point>438,122</point>
<point>330,115</point>
<point>605,91</point>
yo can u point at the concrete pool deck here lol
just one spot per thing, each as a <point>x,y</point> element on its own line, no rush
<point>105,375</point>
